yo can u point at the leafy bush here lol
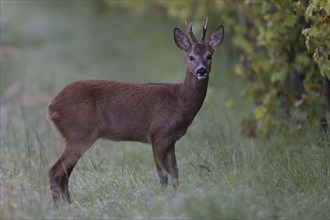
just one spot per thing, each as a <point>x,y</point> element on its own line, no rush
<point>318,35</point>
<point>284,82</point>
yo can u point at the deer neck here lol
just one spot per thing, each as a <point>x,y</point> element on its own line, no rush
<point>193,92</point>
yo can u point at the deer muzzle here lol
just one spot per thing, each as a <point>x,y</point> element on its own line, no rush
<point>201,73</point>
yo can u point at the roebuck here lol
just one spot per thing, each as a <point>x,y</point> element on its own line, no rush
<point>158,114</point>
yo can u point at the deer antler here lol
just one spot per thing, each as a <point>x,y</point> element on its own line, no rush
<point>189,29</point>
<point>204,28</point>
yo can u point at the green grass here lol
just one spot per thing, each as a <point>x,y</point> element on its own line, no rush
<point>222,175</point>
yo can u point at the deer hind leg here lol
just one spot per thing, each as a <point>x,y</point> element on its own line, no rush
<point>60,172</point>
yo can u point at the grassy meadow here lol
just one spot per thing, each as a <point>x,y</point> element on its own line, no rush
<point>47,44</point>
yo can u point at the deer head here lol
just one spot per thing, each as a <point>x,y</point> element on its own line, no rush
<point>199,53</point>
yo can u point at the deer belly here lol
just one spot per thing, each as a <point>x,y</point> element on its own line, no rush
<point>125,126</point>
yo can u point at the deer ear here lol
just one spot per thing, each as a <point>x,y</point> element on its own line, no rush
<point>181,40</point>
<point>217,37</point>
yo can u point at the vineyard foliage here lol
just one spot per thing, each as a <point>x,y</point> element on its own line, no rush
<point>282,51</point>
<point>318,35</point>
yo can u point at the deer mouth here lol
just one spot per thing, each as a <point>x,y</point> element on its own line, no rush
<point>201,76</point>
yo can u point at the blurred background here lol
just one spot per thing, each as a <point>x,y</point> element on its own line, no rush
<point>266,112</point>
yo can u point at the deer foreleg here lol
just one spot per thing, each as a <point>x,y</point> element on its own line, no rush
<point>160,161</point>
<point>173,167</point>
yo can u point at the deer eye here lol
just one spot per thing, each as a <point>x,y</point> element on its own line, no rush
<point>191,58</point>
<point>209,57</point>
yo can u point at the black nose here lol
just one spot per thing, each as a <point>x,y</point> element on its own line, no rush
<point>201,71</point>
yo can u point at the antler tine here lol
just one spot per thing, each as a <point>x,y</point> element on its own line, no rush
<point>189,29</point>
<point>204,28</point>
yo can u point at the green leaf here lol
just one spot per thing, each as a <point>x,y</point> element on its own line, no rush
<point>279,76</point>
<point>289,21</point>
<point>260,112</point>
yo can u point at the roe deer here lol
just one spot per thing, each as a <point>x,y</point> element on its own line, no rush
<point>154,113</point>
